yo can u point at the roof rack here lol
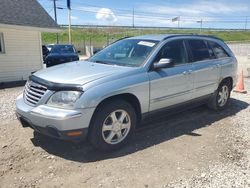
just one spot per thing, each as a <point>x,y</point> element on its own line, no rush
<point>186,35</point>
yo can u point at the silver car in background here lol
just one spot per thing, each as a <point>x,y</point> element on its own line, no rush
<point>105,98</point>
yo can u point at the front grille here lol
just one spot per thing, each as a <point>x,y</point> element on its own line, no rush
<point>33,92</point>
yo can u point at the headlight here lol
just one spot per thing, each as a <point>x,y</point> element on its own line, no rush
<point>64,99</point>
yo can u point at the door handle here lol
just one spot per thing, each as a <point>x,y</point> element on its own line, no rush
<point>216,66</point>
<point>187,72</point>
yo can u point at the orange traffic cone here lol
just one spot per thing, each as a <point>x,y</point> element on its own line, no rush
<point>240,85</point>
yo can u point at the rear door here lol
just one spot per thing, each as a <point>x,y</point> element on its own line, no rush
<point>205,68</point>
<point>170,86</point>
<point>224,62</point>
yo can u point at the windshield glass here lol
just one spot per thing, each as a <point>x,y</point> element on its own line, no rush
<point>127,52</point>
<point>62,49</point>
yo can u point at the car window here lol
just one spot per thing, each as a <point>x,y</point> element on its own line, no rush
<point>217,49</point>
<point>127,52</point>
<point>199,50</point>
<point>45,50</point>
<point>63,49</point>
<point>174,50</point>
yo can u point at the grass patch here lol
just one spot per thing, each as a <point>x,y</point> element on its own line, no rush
<point>101,36</point>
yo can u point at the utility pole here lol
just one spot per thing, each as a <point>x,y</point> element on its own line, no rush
<point>133,19</point>
<point>69,18</point>
<point>54,2</point>
<point>201,22</point>
<point>246,23</point>
<point>179,19</point>
<point>201,26</point>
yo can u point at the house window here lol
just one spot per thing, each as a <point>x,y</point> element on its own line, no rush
<point>2,50</point>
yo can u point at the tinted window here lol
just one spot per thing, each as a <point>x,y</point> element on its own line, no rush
<point>218,50</point>
<point>199,50</point>
<point>62,49</point>
<point>173,50</point>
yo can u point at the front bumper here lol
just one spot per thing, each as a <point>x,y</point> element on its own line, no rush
<point>55,122</point>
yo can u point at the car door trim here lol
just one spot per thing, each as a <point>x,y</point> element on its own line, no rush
<point>204,86</point>
<point>169,96</point>
<point>173,109</point>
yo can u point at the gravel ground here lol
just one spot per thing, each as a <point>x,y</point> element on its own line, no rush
<point>200,149</point>
<point>7,103</point>
<point>234,171</point>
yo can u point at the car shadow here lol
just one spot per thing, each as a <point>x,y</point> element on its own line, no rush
<point>157,130</point>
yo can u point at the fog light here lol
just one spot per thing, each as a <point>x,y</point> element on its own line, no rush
<point>74,133</point>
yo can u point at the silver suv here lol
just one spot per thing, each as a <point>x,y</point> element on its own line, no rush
<point>106,97</point>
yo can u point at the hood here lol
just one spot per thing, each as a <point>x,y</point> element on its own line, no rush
<point>79,72</point>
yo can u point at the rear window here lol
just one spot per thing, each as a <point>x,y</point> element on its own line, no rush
<point>62,49</point>
<point>199,50</point>
<point>218,50</point>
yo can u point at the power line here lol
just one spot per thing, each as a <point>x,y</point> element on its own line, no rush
<point>120,15</point>
<point>162,18</point>
<point>161,14</point>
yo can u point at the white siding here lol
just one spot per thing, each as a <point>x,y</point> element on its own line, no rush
<point>22,54</point>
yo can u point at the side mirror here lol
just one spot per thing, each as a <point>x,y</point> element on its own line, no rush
<point>164,63</point>
<point>79,51</point>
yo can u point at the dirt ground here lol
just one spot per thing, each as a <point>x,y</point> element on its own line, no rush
<point>194,148</point>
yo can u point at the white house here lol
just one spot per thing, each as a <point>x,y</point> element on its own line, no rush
<point>21,24</point>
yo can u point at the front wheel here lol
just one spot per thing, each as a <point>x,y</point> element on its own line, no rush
<point>221,96</point>
<point>112,125</point>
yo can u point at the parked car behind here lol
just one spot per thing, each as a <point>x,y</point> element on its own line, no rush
<point>45,51</point>
<point>105,98</point>
<point>60,53</point>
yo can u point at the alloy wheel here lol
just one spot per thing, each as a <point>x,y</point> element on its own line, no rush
<point>223,95</point>
<point>116,126</point>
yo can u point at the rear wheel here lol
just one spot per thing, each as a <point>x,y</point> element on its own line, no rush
<point>221,96</point>
<point>112,125</point>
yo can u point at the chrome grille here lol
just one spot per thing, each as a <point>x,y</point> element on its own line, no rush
<point>33,92</point>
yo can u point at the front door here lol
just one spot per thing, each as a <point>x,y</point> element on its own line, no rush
<point>170,86</point>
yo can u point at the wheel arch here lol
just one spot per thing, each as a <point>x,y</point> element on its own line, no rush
<point>128,97</point>
<point>228,79</point>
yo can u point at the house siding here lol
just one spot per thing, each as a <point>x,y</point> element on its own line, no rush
<point>22,56</point>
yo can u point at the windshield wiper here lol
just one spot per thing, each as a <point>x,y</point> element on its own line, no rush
<point>102,62</point>
<point>117,64</point>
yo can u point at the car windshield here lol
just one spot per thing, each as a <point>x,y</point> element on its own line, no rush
<point>127,52</point>
<point>62,49</point>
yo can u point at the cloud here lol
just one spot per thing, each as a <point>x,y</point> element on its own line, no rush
<point>106,14</point>
<point>74,18</point>
<point>150,14</point>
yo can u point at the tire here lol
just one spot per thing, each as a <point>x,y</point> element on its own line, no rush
<point>112,125</point>
<point>220,98</point>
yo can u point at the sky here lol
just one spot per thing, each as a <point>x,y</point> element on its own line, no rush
<point>229,14</point>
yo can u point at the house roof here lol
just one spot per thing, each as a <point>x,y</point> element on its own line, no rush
<point>25,13</point>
